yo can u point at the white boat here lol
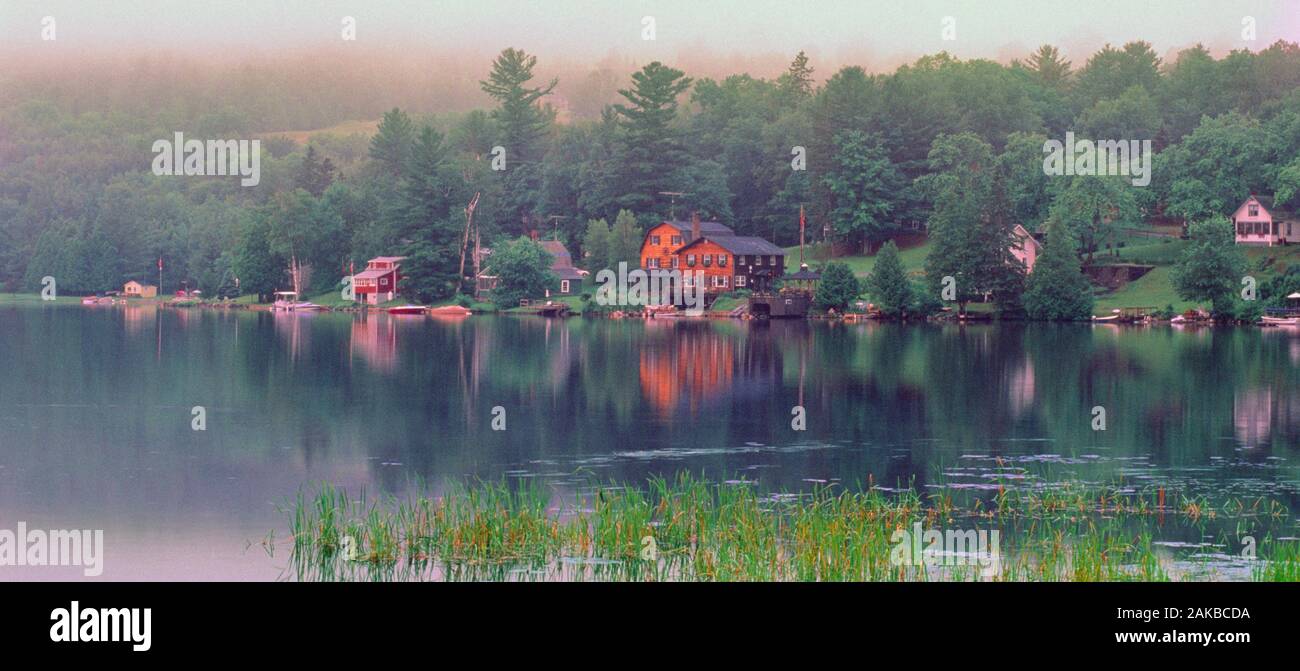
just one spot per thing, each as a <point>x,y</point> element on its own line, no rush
<point>1279,321</point>
<point>287,301</point>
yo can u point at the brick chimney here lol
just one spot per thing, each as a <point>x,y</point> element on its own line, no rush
<point>695,226</point>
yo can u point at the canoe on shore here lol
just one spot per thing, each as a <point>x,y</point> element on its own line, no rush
<point>407,310</point>
<point>1279,321</point>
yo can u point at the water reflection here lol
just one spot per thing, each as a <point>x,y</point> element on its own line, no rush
<point>95,421</point>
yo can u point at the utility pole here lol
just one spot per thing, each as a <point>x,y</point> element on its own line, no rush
<point>672,202</point>
<point>556,218</point>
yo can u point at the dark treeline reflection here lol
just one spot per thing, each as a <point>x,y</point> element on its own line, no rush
<point>99,400</point>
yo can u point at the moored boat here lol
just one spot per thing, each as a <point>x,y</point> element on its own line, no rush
<point>407,310</point>
<point>450,311</point>
<point>1279,321</point>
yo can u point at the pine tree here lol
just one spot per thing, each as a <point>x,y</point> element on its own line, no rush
<point>796,83</point>
<point>888,283</point>
<point>391,145</point>
<point>522,123</point>
<point>837,288</point>
<point>1048,67</point>
<point>1057,289</point>
<point>314,174</point>
<point>650,151</point>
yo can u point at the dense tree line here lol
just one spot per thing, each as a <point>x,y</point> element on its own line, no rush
<point>945,145</point>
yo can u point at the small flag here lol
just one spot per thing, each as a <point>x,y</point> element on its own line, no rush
<point>160,263</point>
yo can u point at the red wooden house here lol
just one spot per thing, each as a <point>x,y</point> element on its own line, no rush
<point>378,282</point>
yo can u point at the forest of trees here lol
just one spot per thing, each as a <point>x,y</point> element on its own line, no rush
<point>945,145</point>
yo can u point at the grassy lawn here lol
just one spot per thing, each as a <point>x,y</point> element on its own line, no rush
<point>26,299</point>
<point>913,259</point>
<point>1154,289</point>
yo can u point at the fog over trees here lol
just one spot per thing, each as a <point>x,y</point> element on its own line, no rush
<point>885,149</point>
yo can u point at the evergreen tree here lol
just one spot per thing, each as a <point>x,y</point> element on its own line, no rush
<point>1048,67</point>
<point>314,174</point>
<point>260,271</point>
<point>796,83</point>
<point>971,225</point>
<point>1057,289</point>
<point>888,283</point>
<point>391,145</point>
<point>522,123</point>
<point>837,288</point>
<point>423,219</point>
<point>650,152</point>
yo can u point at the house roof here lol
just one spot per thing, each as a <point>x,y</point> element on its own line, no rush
<point>1026,238</point>
<point>561,261</point>
<point>387,259</point>
<point>706,227</point>
<point>373,274</point>
<point>1277,211</point>
<point>739,244</point>
<point>559,251</point>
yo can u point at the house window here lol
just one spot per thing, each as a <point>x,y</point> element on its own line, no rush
<point>708,260</point>
<point>564,286</point>
<point>677,240</point>
<point>690,260</point>
<point>740,280</point>
<point>740,260</point>
<point>1253,210</point>
<point>758,260</point>
<point>383,281</point>
<point>675,261</point>
<point>774,259</point>
<point>722,260</point>
<point>654,239</point>
<point>688,280</point>
<point>720,281</point>
<point>654,263</point>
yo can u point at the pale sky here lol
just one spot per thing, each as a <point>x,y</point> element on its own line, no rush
<point>874,33</point>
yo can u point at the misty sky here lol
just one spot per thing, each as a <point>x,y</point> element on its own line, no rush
<point>877,34</point>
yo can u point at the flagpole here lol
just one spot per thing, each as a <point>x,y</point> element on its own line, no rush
<point>801,226</point>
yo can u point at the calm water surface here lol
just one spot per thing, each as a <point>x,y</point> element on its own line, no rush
<point>95,414</point>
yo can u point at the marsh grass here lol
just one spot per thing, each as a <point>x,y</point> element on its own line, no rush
<point>703,530</point>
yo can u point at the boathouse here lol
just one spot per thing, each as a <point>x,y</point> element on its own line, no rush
<point>378,282</point>
<point>137,290</point>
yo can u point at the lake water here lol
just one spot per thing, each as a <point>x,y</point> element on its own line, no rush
<point>96,423</point>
